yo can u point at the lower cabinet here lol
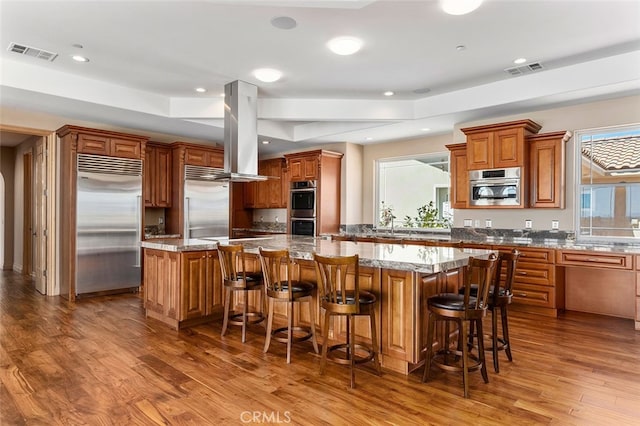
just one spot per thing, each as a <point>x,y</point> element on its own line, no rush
<point>182,289</point>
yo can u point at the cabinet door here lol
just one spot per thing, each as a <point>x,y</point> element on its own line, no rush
<point>194,285</point>
<point>162,179</point>
<point>547,173</point>
<point>459,178</point>
<point>311,168</point>
<point>508,148</point>
<point>262,188</point>
<point>124,148</point>
<point>90,144</point>
<point>250,189</point>
<point>216,159</point>
<point>480,151</point>
<point>149,164</point>
<point>195,157</point>
<point>303,168</point>
<point>274,186</point>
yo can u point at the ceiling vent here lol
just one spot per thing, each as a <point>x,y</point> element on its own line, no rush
<point>32,51</point>
<point>524,69</point>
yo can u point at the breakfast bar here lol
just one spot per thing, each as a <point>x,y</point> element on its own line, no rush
<point>182,284</point>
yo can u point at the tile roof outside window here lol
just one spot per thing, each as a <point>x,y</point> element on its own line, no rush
<point>614,154</point>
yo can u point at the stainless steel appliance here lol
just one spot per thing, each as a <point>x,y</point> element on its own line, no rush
<point>206,203</point>
<point>302,207</point>
<point>495,187</point>
<point>109,192</point>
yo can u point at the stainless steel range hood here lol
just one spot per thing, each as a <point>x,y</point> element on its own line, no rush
<point>240,133</point>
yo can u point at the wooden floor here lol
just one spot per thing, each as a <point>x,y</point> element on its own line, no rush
<point>99,361</point>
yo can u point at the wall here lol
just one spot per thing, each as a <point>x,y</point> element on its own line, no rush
<point>7,168</point>
<point>585,116</point>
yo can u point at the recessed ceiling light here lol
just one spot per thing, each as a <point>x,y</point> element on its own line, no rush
<point>200,89</point>
<point>368,138</point>
<point>520,61</point>
<point>267,75</point>
<point>265,142</point>
<point>425,129</point>
<point>79,58</point>
<point>284,22</point>
<point>388,93</point>
<point>344,45</point>
<point>459,7</point>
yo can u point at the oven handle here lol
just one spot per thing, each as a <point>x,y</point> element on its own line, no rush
<point>304,219</point>
<point>501,182</point>
<point>303,190</point>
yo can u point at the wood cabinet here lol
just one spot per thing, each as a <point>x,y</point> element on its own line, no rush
<point>498,145</point>
<point>600,282</point>
<point>272,193</point>
<point>325,168</point>
<point>182,289</point>
<point>98,144</point>
<point>76,140</point>
<point>459,176</point>
<point>157,176</point>
<point>303,167</point>
<point>204,156</point>
<point>547,169</point>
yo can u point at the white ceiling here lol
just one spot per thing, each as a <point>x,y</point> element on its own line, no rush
<point>147,57</point>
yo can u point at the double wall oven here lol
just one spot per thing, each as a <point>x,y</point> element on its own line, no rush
<point>302,206</point>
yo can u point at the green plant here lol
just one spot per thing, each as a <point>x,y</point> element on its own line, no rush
<point>427,218</point>
<point>386,215</point>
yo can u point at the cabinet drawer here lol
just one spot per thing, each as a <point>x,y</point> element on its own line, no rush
<point>597,260</point>
<point>533,295</point>
<point>535,273</point>
<point>529,255</point>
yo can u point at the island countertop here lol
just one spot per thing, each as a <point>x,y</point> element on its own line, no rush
<point>389,256</point>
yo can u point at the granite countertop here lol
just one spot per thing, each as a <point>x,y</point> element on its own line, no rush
<point>553,243</point>
<point>260,230</point>
<point>390,256</point>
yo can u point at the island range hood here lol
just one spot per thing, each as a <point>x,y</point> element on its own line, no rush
<point>240,133</point>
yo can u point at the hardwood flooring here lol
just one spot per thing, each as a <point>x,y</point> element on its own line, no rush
<point>99,361</point>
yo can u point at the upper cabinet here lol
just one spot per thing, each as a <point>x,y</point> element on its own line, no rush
<point>459,175</point>
<point>303,167</point>
<point>157,176</point>
<point>204,157</point>
<point>500,145</point>
<point>269,194</point>
<point>102,142</point>
<point>547,169</point>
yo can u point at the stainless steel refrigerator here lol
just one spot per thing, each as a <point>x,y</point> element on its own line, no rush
<point>109,192</point>
<point>206,203</point>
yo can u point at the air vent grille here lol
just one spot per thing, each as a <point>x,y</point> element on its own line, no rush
<point>110,165</point>
<point>524,69</point>
<point>34,52</point>
<point>201,173</point>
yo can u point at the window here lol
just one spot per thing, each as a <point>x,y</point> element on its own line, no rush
<point>608,183</point>
<point>413,192</point>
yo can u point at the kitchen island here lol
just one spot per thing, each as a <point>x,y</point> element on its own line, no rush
<point>182,285</point>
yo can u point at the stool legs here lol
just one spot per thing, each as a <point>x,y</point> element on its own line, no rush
<point>505,332</point>
<point>429,354</point>
<point>325,342</point>
<point>267,341</point>
<point>225,320</point>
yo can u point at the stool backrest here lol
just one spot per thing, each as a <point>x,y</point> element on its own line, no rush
<point>277,271</point>
<point>332,283</point>
<point>507,262</point>
<point>482,273</point>
<point>232,264</point>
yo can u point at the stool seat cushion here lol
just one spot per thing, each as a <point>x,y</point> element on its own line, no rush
<point>365,297</point>
<point>450,301</point>
<point>297,286</point>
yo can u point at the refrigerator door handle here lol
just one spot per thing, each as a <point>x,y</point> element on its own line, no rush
<point>185,235</point>
<point>138,230</point>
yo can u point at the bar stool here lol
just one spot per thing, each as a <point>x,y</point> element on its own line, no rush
<point>463,309</point>
<point>277,271</point>
<point>499,300</point>
<point>235,278</point>
<point>338,300</point>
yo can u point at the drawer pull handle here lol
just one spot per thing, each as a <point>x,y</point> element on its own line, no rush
<point>522,272</point>
<point>523,295</point>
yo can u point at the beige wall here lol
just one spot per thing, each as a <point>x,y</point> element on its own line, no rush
<point>7,168</point>
<point>596,114</point>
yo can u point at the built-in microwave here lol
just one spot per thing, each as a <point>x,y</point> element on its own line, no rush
<point>303,199</point>
<point>495,187</point>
